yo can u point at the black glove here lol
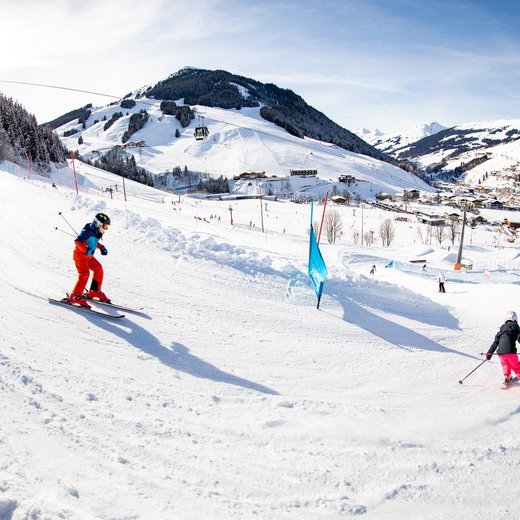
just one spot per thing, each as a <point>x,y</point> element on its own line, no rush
<point>104,250</point>
<point>488,356</point>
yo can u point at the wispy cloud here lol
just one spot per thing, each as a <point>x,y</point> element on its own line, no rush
<point>362,62</point>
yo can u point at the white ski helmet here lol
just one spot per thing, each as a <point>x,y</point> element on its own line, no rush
<point>511,316</point>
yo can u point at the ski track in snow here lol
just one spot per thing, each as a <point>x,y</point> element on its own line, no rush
<point>234,397</point>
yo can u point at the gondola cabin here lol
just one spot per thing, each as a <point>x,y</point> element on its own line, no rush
<point>201,131</point>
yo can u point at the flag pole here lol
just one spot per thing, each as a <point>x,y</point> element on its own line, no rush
<point>323,216</point>
<point>74,170</point>
<point>310,244</point>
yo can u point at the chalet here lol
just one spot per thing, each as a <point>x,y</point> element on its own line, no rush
<point>454,216</point>
<point>432,220</point>
<point>337,199</point>
<point>303,173</point>
<point>411,194</point>
<point>250,175</point>
<point>494,204</point>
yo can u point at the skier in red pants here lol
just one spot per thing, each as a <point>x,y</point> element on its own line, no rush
<point>86,244</point>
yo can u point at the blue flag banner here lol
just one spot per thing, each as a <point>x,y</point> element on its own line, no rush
<point>317,268</point>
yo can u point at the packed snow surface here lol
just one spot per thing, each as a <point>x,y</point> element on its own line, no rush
<point>231,396</point>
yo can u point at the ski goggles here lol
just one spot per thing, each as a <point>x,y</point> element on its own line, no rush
<point>102,227</point>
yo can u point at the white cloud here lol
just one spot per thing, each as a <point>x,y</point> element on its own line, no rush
<point>334,54</point>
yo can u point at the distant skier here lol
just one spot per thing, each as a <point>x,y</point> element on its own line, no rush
<point>373,270</point>
<point>86,244</point>
<point>441,279</point>
<point>505,341</point>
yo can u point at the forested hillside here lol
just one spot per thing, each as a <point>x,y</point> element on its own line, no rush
<point>21,137</point>
<point>218,88</point>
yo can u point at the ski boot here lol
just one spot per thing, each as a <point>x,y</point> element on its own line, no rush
<point>78,300</point>
<point>98,295</point>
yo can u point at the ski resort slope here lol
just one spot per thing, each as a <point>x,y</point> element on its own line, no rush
<point>239,141</point>
<point>233,396</point>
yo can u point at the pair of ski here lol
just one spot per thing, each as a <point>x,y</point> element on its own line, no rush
<point>66,303</point>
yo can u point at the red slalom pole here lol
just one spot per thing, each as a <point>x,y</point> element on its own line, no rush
<point>74,170</point>
<point>323,216</point>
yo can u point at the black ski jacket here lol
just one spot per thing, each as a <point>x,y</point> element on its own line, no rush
<point>505,339</point>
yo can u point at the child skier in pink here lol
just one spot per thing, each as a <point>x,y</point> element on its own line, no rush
<point>505,341</point>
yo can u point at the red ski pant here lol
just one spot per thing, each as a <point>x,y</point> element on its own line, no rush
<point>510,362</point>
<point>85,264</point>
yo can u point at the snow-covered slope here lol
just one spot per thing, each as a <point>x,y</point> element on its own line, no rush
<point>239,141</point>
<point>492,145</point>
<point>394,142</point>
<point>472,150</point>
<point>232,396</point>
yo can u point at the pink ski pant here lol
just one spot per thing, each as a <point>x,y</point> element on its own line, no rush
<point>510,362</point>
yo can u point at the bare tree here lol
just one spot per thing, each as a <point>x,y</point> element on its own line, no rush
<point>387,232</point>
<point>440,233</point>
<point>420,235</point>
<point>453,229</point>
<point>348,197</point>
<point>333,226</point>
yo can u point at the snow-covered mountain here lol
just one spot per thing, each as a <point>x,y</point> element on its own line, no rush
<point>239,141</point>
<point>478,152</point>
<point>230,396</point>
<point>393,142</point>
<point>471,150</point>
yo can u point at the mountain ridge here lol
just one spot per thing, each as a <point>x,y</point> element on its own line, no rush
<point>471,152</point>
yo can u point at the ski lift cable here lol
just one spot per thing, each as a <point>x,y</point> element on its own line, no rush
<point>58,87</point>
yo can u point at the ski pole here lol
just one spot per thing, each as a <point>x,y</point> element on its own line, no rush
<point>68,223</point>
<point>480,364</point>
<point>66,232</point>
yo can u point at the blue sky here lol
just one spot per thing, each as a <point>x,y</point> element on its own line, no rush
<point>364,63</point>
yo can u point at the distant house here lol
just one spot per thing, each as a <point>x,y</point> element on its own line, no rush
<point>337,199</point>
<point>411,194</point>
<point>454,216</point>
<point>494,204</point>
<point>304,173</point>
<point>250,175</point>
<point>432,220</point>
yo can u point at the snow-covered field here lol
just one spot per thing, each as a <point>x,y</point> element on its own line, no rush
<point>233,397</point>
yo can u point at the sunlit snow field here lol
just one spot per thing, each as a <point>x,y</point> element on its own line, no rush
<point>233,397</point>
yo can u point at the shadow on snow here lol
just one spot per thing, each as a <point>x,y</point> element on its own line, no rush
<point>357,297</point>
<point>177,357</point>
